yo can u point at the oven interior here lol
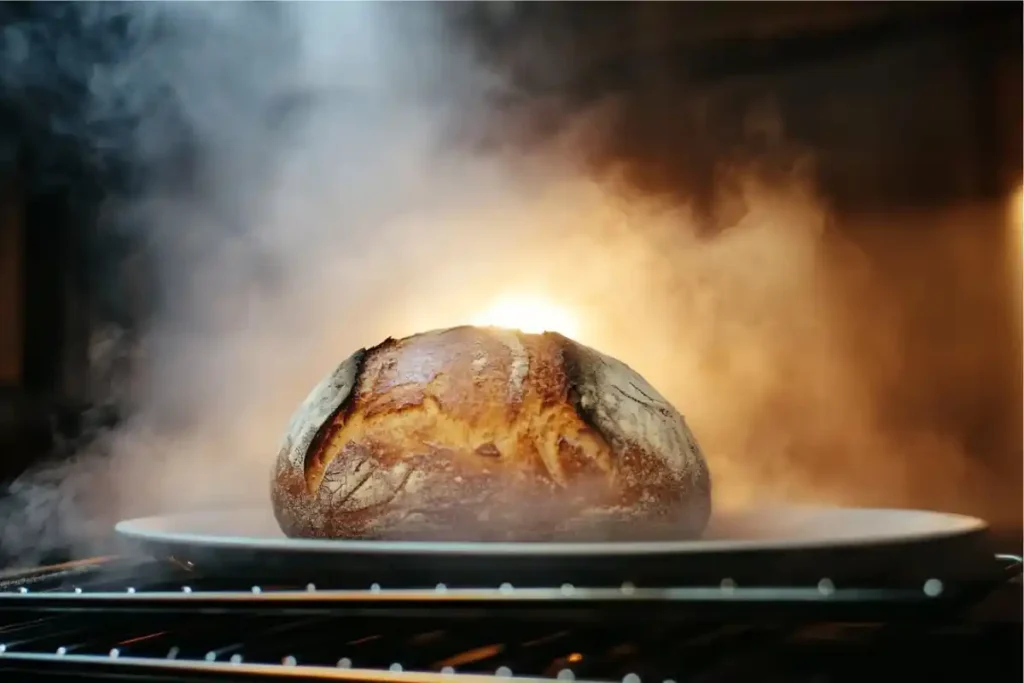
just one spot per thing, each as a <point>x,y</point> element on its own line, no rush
<point>912,116</point>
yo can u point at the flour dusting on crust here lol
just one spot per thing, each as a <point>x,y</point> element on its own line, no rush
<point>630,408</point>
<point>519,365</point>
<point>325,398</point>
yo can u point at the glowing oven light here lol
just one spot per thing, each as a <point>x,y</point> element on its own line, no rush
<point>533,315</point>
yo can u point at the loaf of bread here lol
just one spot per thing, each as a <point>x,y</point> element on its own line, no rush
<point>487,434</point>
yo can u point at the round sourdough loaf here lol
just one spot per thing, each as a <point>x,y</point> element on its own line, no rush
<point>487,434</point>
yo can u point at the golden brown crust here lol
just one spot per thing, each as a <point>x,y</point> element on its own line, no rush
<point>488,434</point>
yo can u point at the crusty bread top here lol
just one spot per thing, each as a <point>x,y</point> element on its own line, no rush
<point>485,428</point>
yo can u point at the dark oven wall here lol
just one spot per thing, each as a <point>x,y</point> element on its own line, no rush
<point>60,275</point>
<point>895,105</point>
<point>45,314</point>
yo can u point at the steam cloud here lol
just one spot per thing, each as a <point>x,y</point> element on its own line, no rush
<point>333,197</point>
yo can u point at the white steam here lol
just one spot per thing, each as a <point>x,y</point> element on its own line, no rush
<point>316,190</point>
<point>310,190</point>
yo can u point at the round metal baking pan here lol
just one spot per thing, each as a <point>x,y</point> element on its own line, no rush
<point>762,546</point>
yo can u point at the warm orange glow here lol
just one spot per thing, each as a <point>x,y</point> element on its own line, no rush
<point>1016,238</point>
<point>530,314</point>
<point>575,657</point>
<point>1018,211</point>
<point>1015,213</point>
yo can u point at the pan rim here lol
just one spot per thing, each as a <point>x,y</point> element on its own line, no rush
<point>946,525</point>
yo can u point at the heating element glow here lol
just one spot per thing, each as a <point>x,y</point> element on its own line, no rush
<point>533,315</point>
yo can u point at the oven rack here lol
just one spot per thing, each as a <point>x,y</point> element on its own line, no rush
<point>151,668</point>
<point>117,585</point>
<point>156,647</point>
<point>117,625</point>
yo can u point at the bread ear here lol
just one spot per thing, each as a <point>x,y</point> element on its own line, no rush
<point>625,409</point>
<point>321,409</point>
<point>628,413</point>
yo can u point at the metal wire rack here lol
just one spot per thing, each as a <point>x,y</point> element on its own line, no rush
<point>163,621</point>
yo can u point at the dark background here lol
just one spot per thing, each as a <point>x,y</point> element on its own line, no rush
<point>904,116</point>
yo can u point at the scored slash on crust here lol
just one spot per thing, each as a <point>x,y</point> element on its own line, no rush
<point>313,459</point>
